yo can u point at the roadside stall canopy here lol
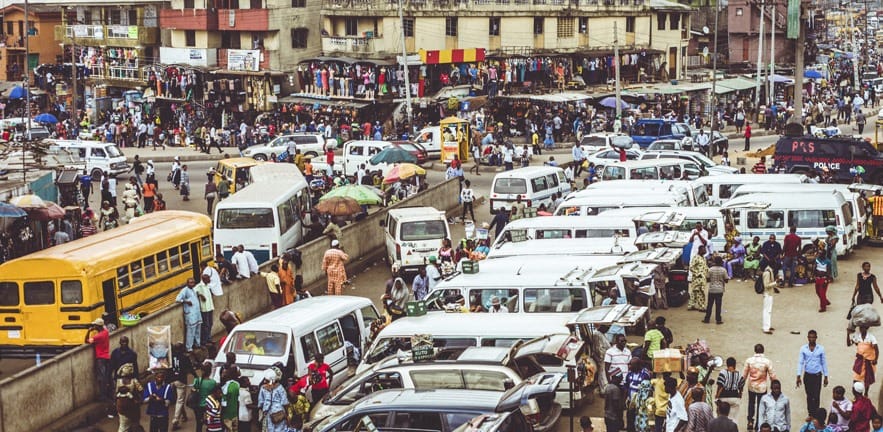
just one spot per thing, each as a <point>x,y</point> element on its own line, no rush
<point>324,102</point>
<point>730,85</point>
<point>550,98</point>
<point>459,133</point>
<point>780,79</point>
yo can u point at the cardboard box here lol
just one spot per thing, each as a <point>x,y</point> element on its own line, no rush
<point>668,360</point>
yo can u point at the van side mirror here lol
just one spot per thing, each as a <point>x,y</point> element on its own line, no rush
<point>382,223</point>
<point>508,384</point>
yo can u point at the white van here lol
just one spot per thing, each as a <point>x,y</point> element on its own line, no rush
<point>267,218</point>
<point>430,138</point>
<point>684,219</point>
<point>580,246</point>
<point>413,234</point>
<point>858,204</point>
<point>309,144</point>
<point>693,190</point>
<point>355,153</point>
<point>100,157</point>
<point>720,188</point>
<point>763,214</point>
<point>653,169</point>
<point>561,227</point>
<point>535,185</point>
<point>595,205</point>
<point>294,334</point>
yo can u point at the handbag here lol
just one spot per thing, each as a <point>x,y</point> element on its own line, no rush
<point>192,401</point>
<point>278,416</point>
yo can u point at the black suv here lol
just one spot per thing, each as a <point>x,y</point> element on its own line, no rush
<point>802,154</point>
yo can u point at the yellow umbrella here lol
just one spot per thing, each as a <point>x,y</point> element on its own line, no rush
<point>28,201</point>
<point>402,171</point>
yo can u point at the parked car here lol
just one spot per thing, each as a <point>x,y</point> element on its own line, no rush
<point>595,142</point>
<point>415,149</point>
<point>604,157</point>
<point>666,144</point>
<point>309,144</point>
<point>712,167</point>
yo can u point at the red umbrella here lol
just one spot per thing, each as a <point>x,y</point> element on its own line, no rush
<point>50,212</point>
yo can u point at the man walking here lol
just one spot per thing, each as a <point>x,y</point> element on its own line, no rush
<point>467,196</point>
<point>192,315</point>
<point>758,371</point>
<point>790,252</point>
<point>179,368</point>
<point>775,409</point>
<point>717,281</point>
<point>747,136</point>
<point>334,265</point>
<point>722,422</point>
<point>577,154</point>
<point>812,364</point>
<point>158,395</point>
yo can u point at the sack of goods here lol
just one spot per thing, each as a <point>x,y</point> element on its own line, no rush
<point>864,315</point>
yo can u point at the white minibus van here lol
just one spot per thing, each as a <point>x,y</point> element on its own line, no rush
<point>595,205</point>
<point>773,213</point>
<point>694,191</point>
<point>561,227</point>
<point>100,157</point>
<point>684,219</point>
<point>267,218</point>
<point>653,169</point>
<point>857,202</point>
<point>294,334</point>
<point>535,185</point>
<point>720,188</point>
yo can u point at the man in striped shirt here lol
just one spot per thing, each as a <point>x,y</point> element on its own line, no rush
<point>212,418</point>
<point>729,388</point>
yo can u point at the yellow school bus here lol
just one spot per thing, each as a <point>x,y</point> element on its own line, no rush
<point>49,298</point>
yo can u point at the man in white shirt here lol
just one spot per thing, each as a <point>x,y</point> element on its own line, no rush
<point>702,139</point>
<point>496,307</point>
<point>775,408</point>
<point>250,260</point>
<point>467,196</point>
<point>241,262</point>
<point>507,157</point>
<point>360,174</point>
<point>618,356</point>
<point>215,280</point>
<point>676,416</point>
<point>699,237</point>
<point>432,274</point>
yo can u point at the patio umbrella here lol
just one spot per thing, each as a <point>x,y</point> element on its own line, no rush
<point>17,92</point>
<point>50,212</point>
<point>28,201</point>
<point>402,171</point>
<point>610,102</point>
<point>10,211</point>
<point>361,194</point>
<point>339,206</point>
<point>812,74</point>
<point>392,155</point>
<point>46,118</point>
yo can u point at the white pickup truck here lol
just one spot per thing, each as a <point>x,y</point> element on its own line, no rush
<point>354,153</point>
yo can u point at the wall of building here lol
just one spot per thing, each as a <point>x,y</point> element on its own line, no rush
<point>43,43</point>
<point>743,48</point>
<point>22,392</point>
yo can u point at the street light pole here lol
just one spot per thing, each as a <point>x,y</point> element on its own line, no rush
<point>714,71</point>
<point>759,58</point>
<point>27,69</point>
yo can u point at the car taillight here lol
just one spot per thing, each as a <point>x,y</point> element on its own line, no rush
<point>398,252</point>
<point>275,250</point>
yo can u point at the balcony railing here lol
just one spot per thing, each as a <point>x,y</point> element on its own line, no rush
<point>590,5</point>
<point>116,72</point>
<point>116,35</point>
<point>350,44</point>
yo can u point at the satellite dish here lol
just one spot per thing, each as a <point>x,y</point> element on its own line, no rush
<point>705,29</point>
<point>705,51</point>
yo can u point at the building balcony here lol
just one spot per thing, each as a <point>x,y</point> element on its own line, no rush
<point>107,35</point>
<point>355,46</point>
<point>243,19</point>
<point>119,75</point>
<point>415,7</point>
<point>188,19</point>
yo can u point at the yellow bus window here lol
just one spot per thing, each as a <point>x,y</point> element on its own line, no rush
<point>71,292</point>
<point>185,253</point>
<point>206,247</point>
<point>149,267</point>
<point>39,293</point>
<point>9,295</point>
<point>123,277</point>
<point>174,257</point>
<point>161,262</point>
<point>137,276</point>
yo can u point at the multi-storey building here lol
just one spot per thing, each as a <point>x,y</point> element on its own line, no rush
<point>44,49</point>
<point>744,19</point>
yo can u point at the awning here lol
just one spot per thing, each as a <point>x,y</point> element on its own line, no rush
<point>780,79</point>
<point>730,85</point>
<point>325,102</point>
<point>452,56</point>
<point>551,97</point>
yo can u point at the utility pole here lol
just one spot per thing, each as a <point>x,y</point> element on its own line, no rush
<point>759,58</point>
<point>771,86</point>
<point>617,123</point>
<point>856,83</point>
<point>405,65</point>
<point>798,72</point>
<point>27,69</point>
<point>714,71</point>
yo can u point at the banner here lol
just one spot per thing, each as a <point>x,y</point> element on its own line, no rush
<point>793,19</point>
<point>244,60</point>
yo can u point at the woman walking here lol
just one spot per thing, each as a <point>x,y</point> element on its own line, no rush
<point>866,353</point>
<point>272,400</point>
<point>822,279</point>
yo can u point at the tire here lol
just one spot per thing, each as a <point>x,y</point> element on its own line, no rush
<point>311,154</point>
<point>97,175</point>
<point>260,157</point>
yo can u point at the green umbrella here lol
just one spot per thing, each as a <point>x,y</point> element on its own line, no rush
<point>362,194</point>
<point>392,155</point>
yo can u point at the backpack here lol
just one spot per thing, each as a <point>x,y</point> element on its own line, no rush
<point>758,284</point>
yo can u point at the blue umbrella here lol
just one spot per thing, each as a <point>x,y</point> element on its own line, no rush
<point>46,118</point>
<point>812,74</point>
<point>17,92</point>
<point>610,102</point>
<point>10,211</point>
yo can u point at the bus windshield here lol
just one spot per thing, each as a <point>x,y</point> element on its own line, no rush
<point>263,343</point>
<point>245,218</point>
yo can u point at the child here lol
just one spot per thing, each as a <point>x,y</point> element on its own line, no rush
<point>813,424</point>
<point>841,407</point>
<point>876,424</point>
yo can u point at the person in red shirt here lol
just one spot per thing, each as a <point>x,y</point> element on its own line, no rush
<point>5,134</point>
<point>747,136</point>
<point>329,156</point>
<point>760,166</point>
<point>862,409</point>
<point>99,338</point>
<point>791,249</point>
<point>320,377</point>
<point>623,156</point>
